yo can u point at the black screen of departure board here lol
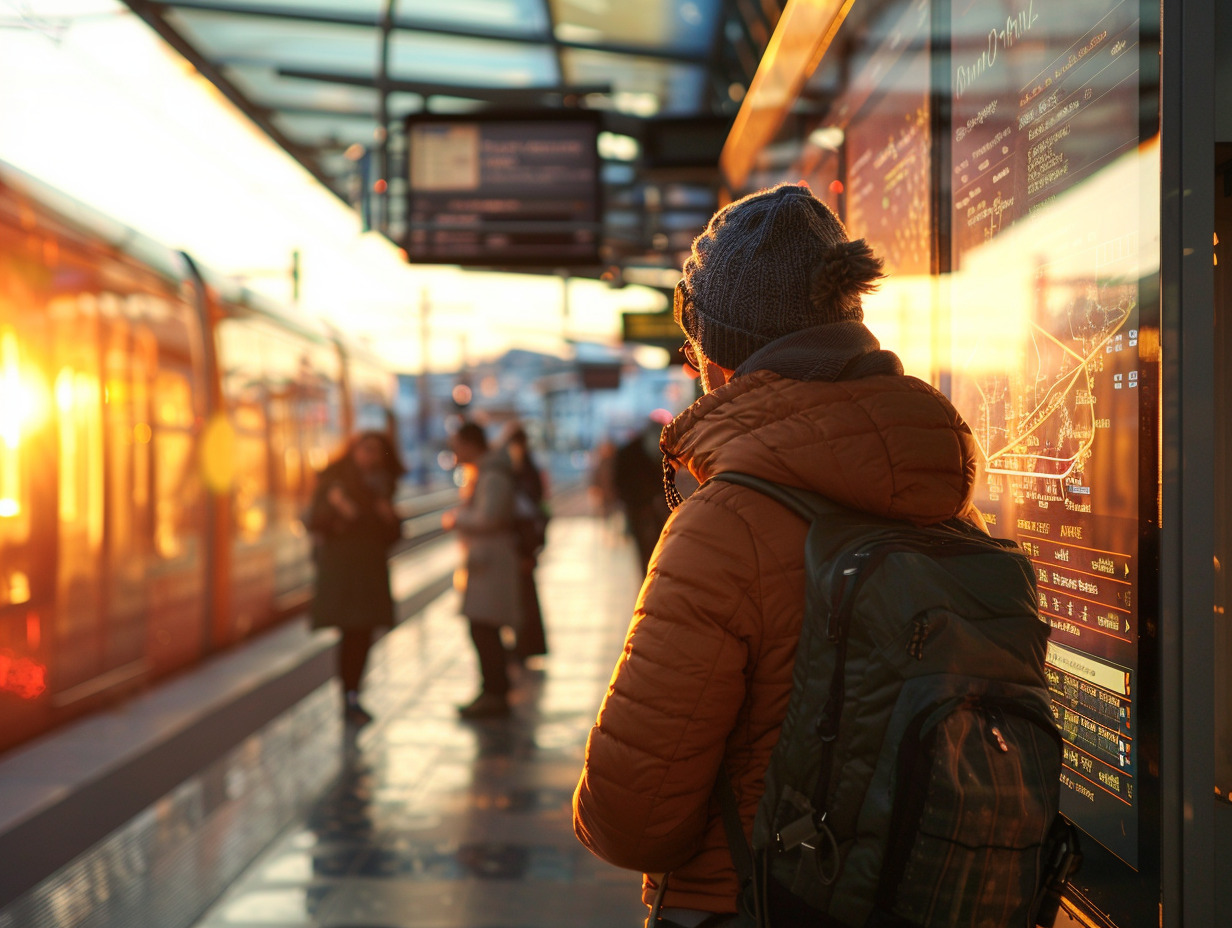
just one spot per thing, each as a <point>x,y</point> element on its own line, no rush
<point>496,190</point>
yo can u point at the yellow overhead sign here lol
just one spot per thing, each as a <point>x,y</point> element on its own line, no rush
<point>658,329</point>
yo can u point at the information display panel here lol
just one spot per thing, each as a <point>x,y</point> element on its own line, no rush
<point>503,190</point>
<point>1014,144</point>
<point>888,122</point>
<point>1054,249</point>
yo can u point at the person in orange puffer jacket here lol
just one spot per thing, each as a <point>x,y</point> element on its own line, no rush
<point>798,391</point>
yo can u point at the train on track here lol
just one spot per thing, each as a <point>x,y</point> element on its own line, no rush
<point>159,433</point>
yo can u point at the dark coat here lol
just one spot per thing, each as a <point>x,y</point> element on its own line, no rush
<point>352,557</point>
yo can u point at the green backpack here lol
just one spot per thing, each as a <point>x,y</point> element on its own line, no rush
<point>916,779</point>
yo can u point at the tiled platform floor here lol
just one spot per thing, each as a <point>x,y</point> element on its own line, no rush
<point>437,823</point>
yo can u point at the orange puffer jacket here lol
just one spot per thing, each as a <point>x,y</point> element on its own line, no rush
<point>705,675</point>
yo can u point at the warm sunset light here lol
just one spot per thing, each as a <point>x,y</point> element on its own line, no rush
<point>95,74</point>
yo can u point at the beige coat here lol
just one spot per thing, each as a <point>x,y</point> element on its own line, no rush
<point>705,675</point>
<point>485,526</point>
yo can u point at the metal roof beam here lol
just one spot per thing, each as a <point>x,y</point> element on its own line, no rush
<point>407,25</point>
<point>299,109</point>
<point>499,95</point>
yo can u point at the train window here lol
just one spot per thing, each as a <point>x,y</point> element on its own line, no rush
<point>244,346</point>
<point>126,396</point>
<point>118,399</point>
<point>144,365</point>
<point>173,390</point>
<point>77,403</point>
<point>19,413</point>
<point>285,391</point>
<point>251,470</point>
<point>14,414</point>
<point>27,488</point>
<point>174,469</point>
<point>77,398</point>
<point>321,412</point>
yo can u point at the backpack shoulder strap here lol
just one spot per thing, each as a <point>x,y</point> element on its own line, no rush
<point>804,503</point>
<point>742,853</point>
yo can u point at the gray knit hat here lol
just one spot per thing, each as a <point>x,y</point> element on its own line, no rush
<point>772,263</point>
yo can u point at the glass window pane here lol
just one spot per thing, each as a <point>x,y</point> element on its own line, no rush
<point>130,357</point>
<point>287,43</point>
<point>642,86</point>
<point>78,406</point>
<point>440,59</point>
<point>321,406</point>
<point>517,17</point>
<point>251,473</point>
<point>686,26</point>
<point>15,417</point>
<point>175,474</point>
<point>176,393</point>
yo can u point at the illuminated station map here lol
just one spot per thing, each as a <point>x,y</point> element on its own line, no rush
<point>1047,350</point>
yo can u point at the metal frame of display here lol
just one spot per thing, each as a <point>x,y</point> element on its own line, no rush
<point>1186,493</point>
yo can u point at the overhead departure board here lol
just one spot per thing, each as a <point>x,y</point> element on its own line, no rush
<point>503,190</point>
<point>1053,238</point>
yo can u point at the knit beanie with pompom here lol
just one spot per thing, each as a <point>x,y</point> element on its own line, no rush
<point>770,264</point>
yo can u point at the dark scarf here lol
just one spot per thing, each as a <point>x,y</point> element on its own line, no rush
<point>831,352</point>
<point>837,351</point>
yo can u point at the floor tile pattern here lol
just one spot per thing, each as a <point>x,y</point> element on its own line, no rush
<point>439,823</point>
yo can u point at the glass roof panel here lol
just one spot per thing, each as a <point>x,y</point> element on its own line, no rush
<point>684,26</point>
<point>437,59</point>
<point>641,86</point>
<point>347,8</point>
<point>227,39</point>
<point>512,17</point>
<point>266,87</point>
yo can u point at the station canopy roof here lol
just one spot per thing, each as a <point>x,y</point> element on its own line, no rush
<point>334,80</point>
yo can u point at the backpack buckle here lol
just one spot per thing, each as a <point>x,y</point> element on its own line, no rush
<point>796,833</point>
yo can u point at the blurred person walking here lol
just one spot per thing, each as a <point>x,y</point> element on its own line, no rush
<point>490,576</point>
<point>602,489</point>
<point>531,519</point>
<point>353,523</point>
<point>638,477</point>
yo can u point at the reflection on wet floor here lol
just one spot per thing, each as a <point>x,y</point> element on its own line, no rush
<point>439,822</point>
